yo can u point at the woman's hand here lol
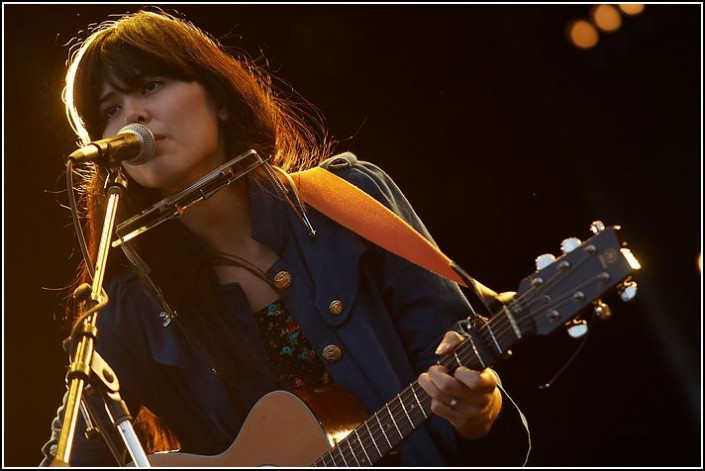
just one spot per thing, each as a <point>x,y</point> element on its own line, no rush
<point>468,399</point>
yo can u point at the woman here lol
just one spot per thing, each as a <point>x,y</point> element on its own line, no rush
<point>241,299</point>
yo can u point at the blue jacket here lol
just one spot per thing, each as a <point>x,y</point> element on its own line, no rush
<point>393,317</point>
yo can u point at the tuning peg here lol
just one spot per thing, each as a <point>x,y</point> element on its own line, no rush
<point>602,310</point>
<point>542,261</point>
<point>597,226</point>
<point>570,244</point>
<point>577,328</point>
<point>627,291</point>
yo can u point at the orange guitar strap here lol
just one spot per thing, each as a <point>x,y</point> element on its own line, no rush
<point>354,209</point>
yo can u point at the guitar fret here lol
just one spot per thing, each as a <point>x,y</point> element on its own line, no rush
<point>369,461</point>
<point>512,321</point>
<point>394,421</point>
<point>323,458</point>
<point>412,407</point>
<point>382,429</point>
<point>494,339</point>
<point>477,353</point>
<point>340,451</point>
<point>418,402</point>
<point>457,359</point>
<point>374,442</point>
<point>405,411</point>
<point>506,336</point>
<point>352,451</point>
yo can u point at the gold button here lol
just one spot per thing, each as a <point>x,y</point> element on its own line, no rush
<point>336,307</point>
<point>283,280</point>
<point>332,353</point>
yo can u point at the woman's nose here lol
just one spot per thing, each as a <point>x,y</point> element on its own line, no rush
<point>136,111</point>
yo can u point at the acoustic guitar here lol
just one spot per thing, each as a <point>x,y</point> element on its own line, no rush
<point>287,429</point>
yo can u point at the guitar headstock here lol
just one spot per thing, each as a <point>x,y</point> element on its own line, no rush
<point>563,287</point>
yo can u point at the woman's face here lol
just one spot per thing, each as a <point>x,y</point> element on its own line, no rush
<point>184,121</point>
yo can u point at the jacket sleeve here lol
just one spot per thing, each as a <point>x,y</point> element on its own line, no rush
<point>424,307</point>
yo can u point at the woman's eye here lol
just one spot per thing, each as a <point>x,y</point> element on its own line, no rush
<point>151,86</point>
<point>111,111</point>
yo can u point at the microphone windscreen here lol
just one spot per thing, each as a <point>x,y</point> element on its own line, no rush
<point>148,143</point>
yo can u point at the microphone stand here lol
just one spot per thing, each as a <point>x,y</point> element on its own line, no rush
<point>86,364</point>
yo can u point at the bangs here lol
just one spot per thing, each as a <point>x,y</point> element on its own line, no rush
<point>123,66</point>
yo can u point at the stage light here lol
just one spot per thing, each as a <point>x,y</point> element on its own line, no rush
<point>631,8</point>
<point>582,34</point>
<point>606,17</point>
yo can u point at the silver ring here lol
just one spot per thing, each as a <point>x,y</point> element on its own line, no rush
<point>453,402</point>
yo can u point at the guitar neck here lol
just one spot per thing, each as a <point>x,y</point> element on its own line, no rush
<point>398,418</point>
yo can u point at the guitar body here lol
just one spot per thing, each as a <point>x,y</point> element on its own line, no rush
<point>283,429</point>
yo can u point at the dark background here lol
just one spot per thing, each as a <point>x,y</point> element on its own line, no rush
<point>504,137</point>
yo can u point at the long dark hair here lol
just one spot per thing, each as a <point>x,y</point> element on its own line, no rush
<point>289,131</point>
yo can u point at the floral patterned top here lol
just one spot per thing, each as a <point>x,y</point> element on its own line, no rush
<point>293,359</point>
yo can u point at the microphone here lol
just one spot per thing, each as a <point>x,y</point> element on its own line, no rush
<point>133,144</point>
